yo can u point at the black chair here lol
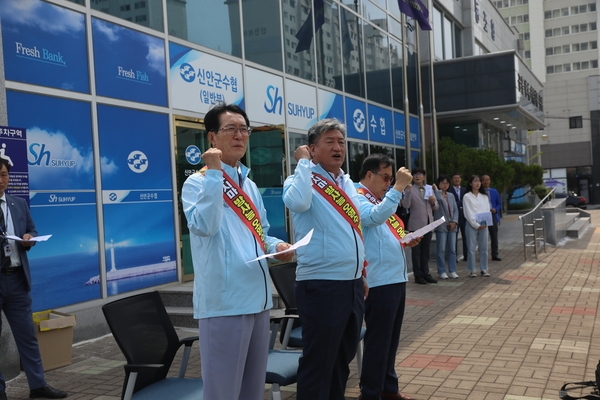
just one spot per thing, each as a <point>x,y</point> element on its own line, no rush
<point>147,338</point>
<point>284,278</point>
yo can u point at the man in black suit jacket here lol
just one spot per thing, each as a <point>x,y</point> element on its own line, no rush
<point>15,288</point>
<point>458,192</point>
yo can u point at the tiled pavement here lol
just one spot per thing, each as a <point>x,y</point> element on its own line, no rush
<point>517,335</point>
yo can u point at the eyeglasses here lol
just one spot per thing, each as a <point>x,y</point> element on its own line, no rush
<point>232,130</point>
<point>386,177</point>
<point>418,174</point>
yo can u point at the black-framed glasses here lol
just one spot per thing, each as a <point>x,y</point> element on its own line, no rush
<point>232,130</point>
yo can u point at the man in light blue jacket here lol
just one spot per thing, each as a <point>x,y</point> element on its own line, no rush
<point>386,275</point>
<point>228,227</point>
<point>329,286</point>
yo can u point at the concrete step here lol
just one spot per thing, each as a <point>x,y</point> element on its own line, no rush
<point>578,227</point>
<point>182,317</point>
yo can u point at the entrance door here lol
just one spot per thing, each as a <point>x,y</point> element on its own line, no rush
<point>190,139</point>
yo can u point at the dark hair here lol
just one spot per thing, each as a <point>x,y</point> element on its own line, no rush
<point>441,179</point>
<point>374,163</point>
<point>470,188</point>
<point>212,119</point>
<point>5,162</point>
<point>454,174</point>
<point>322,126</point>
<point>418,170</point>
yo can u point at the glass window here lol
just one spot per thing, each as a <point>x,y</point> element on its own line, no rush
<point>219,32</point>
<point>548,33</point>
<point>381,3</point>
<point>457,41</point>
<point>584,46</point>
<point>592,7</point>
<point>550,69</point>
<point>525,18</point>
<point>593,26</point>
<point>575,47</point>
<point>262,33</point>
<point>438,35</point>
<point>558,69</point>
<point>82,2</point>
<point>395,27</point>
<point>526,35</point>
<point>378,148</point>
<point>353,53</point>
<point>547,14</point>
<point>566,48</point>
<point>567,67</point>
<point>400,158</point>
<point>150,16</point>
<point>357,152</point>
<point>582,8</point>
<point>556,32</point>
<point>549,51</point>
<point>377,61</point>
<point>594,44</point>
<point>329,60</point>
<point>301,44</point>
<point>594,63</point>
<point>527,53</point>
<point>375,15</point>
<point>575,29</point>
<point>575,122</point>
<point>576,66</point>
<point>585,65</point>
<point>557,50</point>
<point>448,51</point>
<point>412,79</point>
<point>565,30</point>
<point>564,11</point>
<point>583,27</point>
<point>397,82</point>
<point>555,13</point>
<point>354,5</point>
<point>574,10</point>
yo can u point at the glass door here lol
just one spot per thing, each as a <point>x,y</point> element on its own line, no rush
<point>190,140</point>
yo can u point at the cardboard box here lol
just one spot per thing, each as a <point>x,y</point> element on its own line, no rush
<point>54,331</point>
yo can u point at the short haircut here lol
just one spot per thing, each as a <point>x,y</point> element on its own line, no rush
<point>374,163</point>
<point>212,120</point>
<point>441,179</point>
<point>454,174</point>
<point>418,170</point>
<point>322,126</point>
<point>5,162</point>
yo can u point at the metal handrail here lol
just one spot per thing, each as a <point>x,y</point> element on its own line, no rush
<point>533,227</point>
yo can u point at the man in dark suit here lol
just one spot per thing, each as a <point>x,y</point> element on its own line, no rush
<point>458,192</point>
<point>15,288</point>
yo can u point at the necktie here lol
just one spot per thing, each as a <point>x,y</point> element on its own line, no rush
<point>4,260</point>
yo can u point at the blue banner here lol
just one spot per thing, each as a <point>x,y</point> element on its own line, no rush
<point>380,125</point>
<point>399,129</point>
<point>44,45</point>
<point>129,65</point>
<point>415,134</point>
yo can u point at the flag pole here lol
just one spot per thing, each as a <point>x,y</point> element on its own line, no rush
<point>405,94</point>
<point>434,127</point>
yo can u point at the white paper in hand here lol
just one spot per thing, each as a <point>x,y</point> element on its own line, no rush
<point>302,242</point>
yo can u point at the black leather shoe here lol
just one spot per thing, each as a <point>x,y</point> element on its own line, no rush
<point>47,392</point>
<point>496,259</point>
<point>430,279</point>
<point>3,395</point>
<point>420,281</point>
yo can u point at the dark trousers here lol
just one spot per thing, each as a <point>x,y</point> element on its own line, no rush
<point>461,225</point>
<point>420,257</point>
<point>384,311</point>
<point>331,314</point>
<point>494,237</point>
<point>15,302</point>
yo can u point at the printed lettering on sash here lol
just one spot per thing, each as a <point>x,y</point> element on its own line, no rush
<point>394,223</point>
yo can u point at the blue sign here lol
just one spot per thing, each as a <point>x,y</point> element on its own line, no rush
<point>60,161</point>
<point>356,119</point>
<point>415,134</point>
<point>129,65</point>
<point>44,45</point>
<point>137,197</point>
<point>399,129</point>
<point>380,125</point>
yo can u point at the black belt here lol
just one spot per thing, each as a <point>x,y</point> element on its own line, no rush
<point>11,270</point>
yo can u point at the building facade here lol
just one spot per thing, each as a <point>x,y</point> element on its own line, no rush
<point>561,46</point>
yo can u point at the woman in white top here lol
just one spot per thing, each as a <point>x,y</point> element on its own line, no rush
<point>475,202</point>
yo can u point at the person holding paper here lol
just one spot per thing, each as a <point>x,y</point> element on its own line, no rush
<point>476,206</point>
<point>330,290</point>
<point>15,288</point>
<point>387,275</point>
<point>421,202</point>
<point>228,227</point>
<point>446,233</point>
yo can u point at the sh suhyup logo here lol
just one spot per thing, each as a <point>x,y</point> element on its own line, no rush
<point>187,72</point>
<point>39,155</point>
<point>192,154</point>
<point>137,161</point>
<point>358,118</point>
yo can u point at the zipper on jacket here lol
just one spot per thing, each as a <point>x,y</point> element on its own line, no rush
<point>263,272</point>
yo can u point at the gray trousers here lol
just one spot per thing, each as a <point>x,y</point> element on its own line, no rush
<point>233,353</point>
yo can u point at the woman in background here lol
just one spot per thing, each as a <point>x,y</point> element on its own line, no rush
<point>445,234</point>
<point>476,202</point>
